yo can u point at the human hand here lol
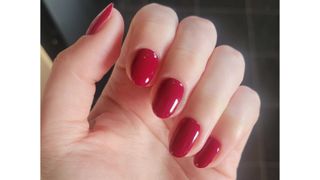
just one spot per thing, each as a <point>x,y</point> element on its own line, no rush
<point>172,109</point>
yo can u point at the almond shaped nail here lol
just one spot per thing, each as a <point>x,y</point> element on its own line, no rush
<point>208,152</point>
<point>144,67</point>
<point>167,98</point>
<point>99,20</point>
<point>184,137</point>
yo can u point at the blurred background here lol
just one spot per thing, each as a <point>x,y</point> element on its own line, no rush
<point>251,26</point>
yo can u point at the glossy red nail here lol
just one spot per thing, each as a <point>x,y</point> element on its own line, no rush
<point>144,67</point>
<point>167,98</point>
<point>99,20</point>
<point>184,137</point>
<point>209,151</point>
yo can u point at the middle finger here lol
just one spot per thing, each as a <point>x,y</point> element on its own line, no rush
<point>183,65</point>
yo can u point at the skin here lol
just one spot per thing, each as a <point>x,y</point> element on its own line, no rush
<point>121,138</point>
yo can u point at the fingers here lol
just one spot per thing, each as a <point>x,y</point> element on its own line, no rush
<point>186,60</point>
<point>222,77</point>
<point>232,130</point>
<point>145,59</point>
<point>174,60</point>
<point>71,86</point>
<point>151,32</point>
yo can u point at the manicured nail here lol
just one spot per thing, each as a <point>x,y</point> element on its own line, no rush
<point>167,98</point>
<point>209,151</point>
<point>99,20</point>
<point>144,67</point>
<point>184,137</point>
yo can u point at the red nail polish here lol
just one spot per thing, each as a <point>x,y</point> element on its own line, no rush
<point>167,98</point>
<point>100,19</point>
<point>184,137</point>
<point>207,153</point>
<point>144,67</point>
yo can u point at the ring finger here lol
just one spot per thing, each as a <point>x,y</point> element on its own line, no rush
<point>183,65</point>
<point>222,77</point>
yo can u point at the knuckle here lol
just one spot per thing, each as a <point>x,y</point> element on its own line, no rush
<point>156,12</point>
<point>61,60</point>
<point>235,57</point>
<point>66,54</point>
<point>252,94</point>
<point>160,7</point>
<point>62,56</point>
<point>226,49</point>
<point>201,24</point>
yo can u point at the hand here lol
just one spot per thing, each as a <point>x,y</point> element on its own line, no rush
<point>172,109</point>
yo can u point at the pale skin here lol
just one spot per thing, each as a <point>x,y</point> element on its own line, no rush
<point>121,137</point>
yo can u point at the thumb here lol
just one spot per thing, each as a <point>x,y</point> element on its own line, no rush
<point>71,86</point>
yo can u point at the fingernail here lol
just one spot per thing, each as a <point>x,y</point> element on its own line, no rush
<point>207,153</point>
<point>184,137</point>
<point>167,98</point>
<point>99,20</point>
<point>144,67</point>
